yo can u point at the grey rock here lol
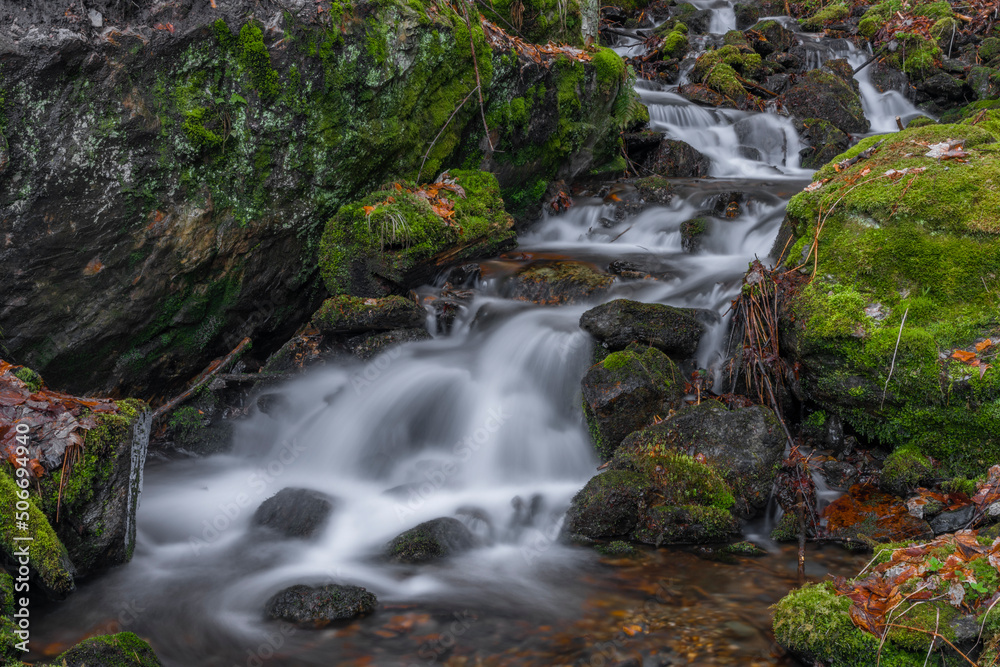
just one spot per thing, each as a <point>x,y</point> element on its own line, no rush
<point>430,541</point>
<point>319,606</point>
<point>295,512</point>
<point>949,522</point>
<point>618,323</point>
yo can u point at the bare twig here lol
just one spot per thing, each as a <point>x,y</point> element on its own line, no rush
<point>475,67</point>
<point>937,635</point>
<point>447,123</point>
<point>892,366</point>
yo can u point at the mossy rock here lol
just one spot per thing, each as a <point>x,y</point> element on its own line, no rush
<point>393,237</point>
<point>905,469</point>
<point>828,14</point>
<point>429,541</point>
<point>50,565</point>
<point>745,446</point>
<point>824,140</point>
<point>316,607</point>
<point>100,494</point>
<point>618,323</point>
<point>824,95</point>
<point>626,391</point>
<point>718,70</point>
<point>124,649</point>
<point>349,314</point>
<point>922,246</point>
<point>693,232</point>
<point>768,37</point>
<point>558,282</point>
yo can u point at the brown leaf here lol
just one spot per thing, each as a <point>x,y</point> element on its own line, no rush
<point>963,355</point>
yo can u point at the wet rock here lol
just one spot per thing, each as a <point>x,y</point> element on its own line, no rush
<point>431,540</point>
<point>819,94</point>
<point>865,513</point>
<point>885,77</point>
<point>769,37</point>
<point>618,323</point>
<point>669,499</point>
<point>702,94</point>
<point>368,346</point>
<point>295,512</point>
<point>788,62</point>
<point>904,470</point>
<point>984,81</point>
<point>625,392</point>
<point>350,314</point>
<point>777,83</point>
<point>640,145</point>
<point>273,405</point>
<point>560,282</point>
<point>746,14</point>
<point>943,89</point>
<point>692,233</point>
<point>649,269</point>
<point>676,159</point>
<point>824,142</point>
<point>949,522</point>
<point>841,68</point>
<point>839,474</point>
<point>124,649</point>
<point>319,606</point>
<point>745,445</point>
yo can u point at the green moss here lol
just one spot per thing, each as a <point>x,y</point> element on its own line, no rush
<point>124,649</point>
<point>675,45</point>
<point>681,479</point>
<point>959,485</point>
<point>255,60</point>
<point>29,377</point>
<point>47,554</point>
<point>989,49</point>
<point>718,69</point>
<point>610,68</point>
<point>816,420</point>
<point>934,10</point>
<point>829,14</point>
<point>787,529</point>
<point>616,549</point>
<point>743,548</point>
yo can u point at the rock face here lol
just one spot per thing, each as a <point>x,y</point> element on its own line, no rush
<point>823,95</point>
<point>744,445</point>
<point>668,499</point>
<point>824,140</point>
<point>162,191</point>
<point>350,314</point>
<point>319,606</point>
<point>295,512</point>
<point>431,540</point>
<point>618,323</point>
<point>911,244</point>
<point>625,392</point>
<point>676,159</point>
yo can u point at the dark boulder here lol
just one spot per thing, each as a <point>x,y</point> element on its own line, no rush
<point>746,14</point>
<point>676,159</point>
<point>745,446</point>
<point>618,323</point>
<point>693,231</point>
<point>702,94</point>
<point>824,142</point>
<point>553,283</point>
<point>769,37</point>
<point>625,392</point>
<point>295,512</point>
<point>367,346</point>
<point>943,89</point>
<point>949,522</point>
<point>318,606</point>
<point>431,540</point>
<point>819,94</point>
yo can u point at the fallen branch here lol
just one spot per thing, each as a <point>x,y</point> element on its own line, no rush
<point>208,374</point>
<point>936,635</point>
<point>475,68</point>
<point>445,127</point>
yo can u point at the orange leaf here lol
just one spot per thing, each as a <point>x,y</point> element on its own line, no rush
<point>369,209</point>
<point>964,356</point>
<point>984,345</point>
<point>632,630</point>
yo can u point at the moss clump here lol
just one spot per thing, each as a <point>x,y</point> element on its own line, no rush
<point>813,622</point>
<point>935,10</point>
<point>719,69</point>
<point>49,560</point>
<point>675,44</point>
<point>905,469</point>
<point>610,68</point>
<point>538,21</point>
<point>829,14</point>
<point>989,49</point>
<point>787,529</point>
<point>743,549</point>
<point>397,229</point>
<point>959,485</point>
<point>920,245</point>
<point>616,549</point>
<point>29,377</point>
<point>255,60</point>
<point>124,649</point>
<point>681,479</point>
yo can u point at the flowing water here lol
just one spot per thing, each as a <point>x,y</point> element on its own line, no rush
<point>483,424</point>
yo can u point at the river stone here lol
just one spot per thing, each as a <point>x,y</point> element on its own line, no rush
<point>746,445</point>
<point>556,283</point>
<point>949,522</point>
<point>367,346</point>
<point>746,15</point>
<point>819,94</point>
<point>943,89</point>
<point>769,37</point>
<point>823,142</point>
<point>295,512</point>
<point>702,94</point>
<point>625,391</point>
<point>431,540</point>
<point>677,159</point>
<point>321,605</point>
<point>124,649</point>
<point>615,324</point>
<point>350,314</point>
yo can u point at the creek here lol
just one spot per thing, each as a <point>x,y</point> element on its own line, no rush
<point>482,424</point>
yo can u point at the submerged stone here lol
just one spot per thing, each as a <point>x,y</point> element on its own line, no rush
<point>319,606</point>
<point>430,541</point>
<point>557,283</point>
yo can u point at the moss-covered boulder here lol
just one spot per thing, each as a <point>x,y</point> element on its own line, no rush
<point>721,70</point>
<point>558,282</point>
<point>124,649</point>
<point>745,445</point>
<point>541,21</point>
<point>825,16</point>
<point>351,314</point>
<point>767,37</point>
<point>693,232</point>
<point>618,323</point>
<point>824,95</point>
<point>315,607</point>
<point>890,615</point>
<point>654,499</point>
<point>401,236</point>
<point>677,159</point>
<point>626,391</point>
<point>916,236</point>
<point>431,540</point>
